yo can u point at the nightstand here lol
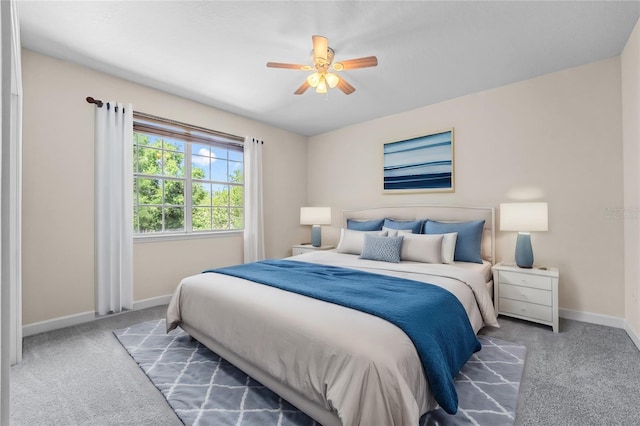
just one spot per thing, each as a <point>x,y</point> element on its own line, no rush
<point>306,248</point>
<point>529,294</point>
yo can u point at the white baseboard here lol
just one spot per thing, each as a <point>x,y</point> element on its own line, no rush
<point>602,320</point>
<point>75,319</point>
<point>56,323</point>
<point>150,303</point>
<point>592,318</point>
<point>634,337</point>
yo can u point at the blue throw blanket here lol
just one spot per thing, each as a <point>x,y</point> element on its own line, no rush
<point>432,317</point>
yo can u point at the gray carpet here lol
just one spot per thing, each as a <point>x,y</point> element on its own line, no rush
<point>585,375</point>
<point>204,389</point>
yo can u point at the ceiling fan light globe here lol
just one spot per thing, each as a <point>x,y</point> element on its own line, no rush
<point>313,79</point>
<point>322,85</point>
<point>332,79</point>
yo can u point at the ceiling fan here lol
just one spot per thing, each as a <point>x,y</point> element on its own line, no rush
<point>322,57</point>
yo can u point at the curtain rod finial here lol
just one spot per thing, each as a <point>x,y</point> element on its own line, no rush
<point>98,102</point>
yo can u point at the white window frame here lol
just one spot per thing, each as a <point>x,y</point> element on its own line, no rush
<point>189,135</point>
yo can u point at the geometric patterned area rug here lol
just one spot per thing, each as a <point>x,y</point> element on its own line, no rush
<point>204,389</point>
<point>487,387</point>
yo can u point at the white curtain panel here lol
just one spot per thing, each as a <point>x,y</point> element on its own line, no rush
<point>253,211</point>
<point>114,207</point>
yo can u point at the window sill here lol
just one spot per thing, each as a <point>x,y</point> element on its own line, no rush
<point>191,236</point>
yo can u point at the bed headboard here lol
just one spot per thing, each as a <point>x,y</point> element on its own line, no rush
<point>439,213</point>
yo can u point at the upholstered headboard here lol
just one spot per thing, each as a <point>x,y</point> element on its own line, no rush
<point>438,213</point>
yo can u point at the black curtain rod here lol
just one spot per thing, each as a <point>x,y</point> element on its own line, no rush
<point>98,102</point>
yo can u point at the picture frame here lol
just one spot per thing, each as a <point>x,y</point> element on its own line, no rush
<point>420,164</point>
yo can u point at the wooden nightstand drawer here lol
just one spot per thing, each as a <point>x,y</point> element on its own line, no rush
<point>525,280</point>
<point>526,294</point>
<point>524,309</point>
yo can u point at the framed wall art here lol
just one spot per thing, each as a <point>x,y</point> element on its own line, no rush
<point>420,164</point>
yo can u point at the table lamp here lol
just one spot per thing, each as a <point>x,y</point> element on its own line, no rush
<point>524,218</point>
<point>315,216</point>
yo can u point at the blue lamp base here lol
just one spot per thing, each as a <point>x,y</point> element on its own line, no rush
<point>316,239</point>
<point>524,252</point>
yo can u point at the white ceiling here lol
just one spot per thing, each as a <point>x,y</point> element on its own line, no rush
<point>215,52</point>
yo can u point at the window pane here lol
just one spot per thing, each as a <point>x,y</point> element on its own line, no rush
<point>173,164</point>
<point>201,218</point>
<point>219,153</point>
<point>220,195</point>
<point>237,196</point>
<point>149,191</point>
<point>200,149</point>
<point>150,161</point>
<point>220,218</point>
<point>200,167</point>
<point>236,172</point>
<point>174,219</point>
<point>201,194</point>
<point>135,159</point>
<point>219,171</point>
<point>150,219</point>
<point>136,221</point>
<point>236,155</point>
<point>174,192</point>
<point>140,139</point>
<point>237,218</point>
<point>135,191</point>
<point>173,145</point>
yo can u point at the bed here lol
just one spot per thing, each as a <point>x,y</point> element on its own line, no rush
<point>337,364</point>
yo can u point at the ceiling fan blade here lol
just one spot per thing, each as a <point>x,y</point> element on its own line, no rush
<point>345,87</point>
<point>320,47</point>
<point>303,88</point>
<point>351,64</point>
<point>289,66</point>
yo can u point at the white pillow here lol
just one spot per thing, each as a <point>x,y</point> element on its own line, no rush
<point>449,247</point>
<point>351,241</point>
<point>426,248</point>
<point>395,232</point>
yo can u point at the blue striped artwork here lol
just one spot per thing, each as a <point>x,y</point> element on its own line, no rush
<point>424,163</point>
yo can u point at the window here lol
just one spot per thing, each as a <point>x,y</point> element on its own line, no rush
<point>186,179</point>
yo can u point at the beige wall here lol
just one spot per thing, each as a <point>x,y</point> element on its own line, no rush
<point>555,138</point>
<point>58,277</point>
<point>630,64</point>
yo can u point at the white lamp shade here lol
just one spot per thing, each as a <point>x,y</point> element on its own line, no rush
<point>524,217</point>
<point>315,215</point>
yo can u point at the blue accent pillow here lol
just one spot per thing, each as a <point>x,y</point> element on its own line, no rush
<point>387,249</point>
<point>469,241</point>
<point>414,225</point>
<point>365,225</point>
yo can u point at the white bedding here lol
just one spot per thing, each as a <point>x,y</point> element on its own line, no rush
<point>356,367</point>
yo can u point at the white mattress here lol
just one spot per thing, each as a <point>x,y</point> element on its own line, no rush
<point>483,268</point>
